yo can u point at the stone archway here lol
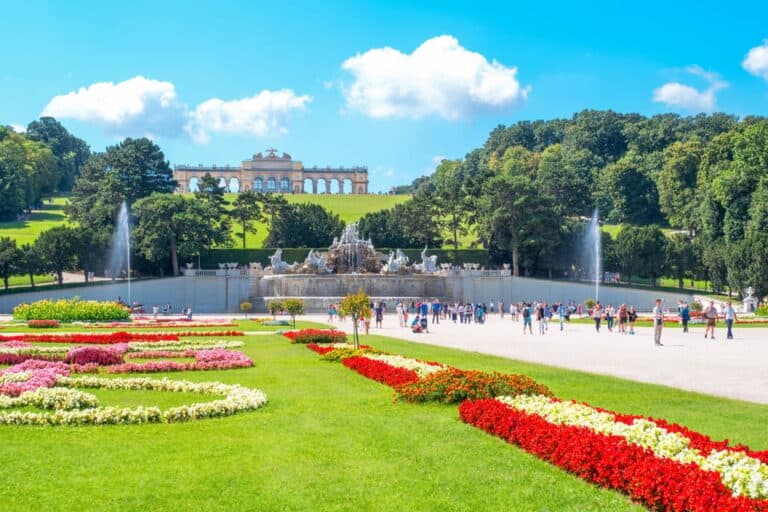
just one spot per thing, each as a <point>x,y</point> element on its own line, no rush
<point>309,187</point>
<point>333,186</point>
<point>347,186</point>
<point>194,184</point>
<point>271,185</point>
<point>258,185</point>
<point>285,185</point>
<point>223,183</point>
<point>234,185</point>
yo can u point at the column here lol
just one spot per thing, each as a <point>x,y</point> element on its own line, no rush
<point>314,186</point>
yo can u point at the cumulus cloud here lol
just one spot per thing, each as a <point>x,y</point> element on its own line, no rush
<point>19,128</point>
<point>137,106</point>
<point>263,114</point>
<point>144,107</point>
<point>439,78</point>
<point>675,94</point>
<point>756,61</point>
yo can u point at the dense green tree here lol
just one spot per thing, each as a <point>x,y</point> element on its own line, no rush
<point>9,255</point>
<point>210,190</point>
<point>682,257</point>
<point>515,217</point>
<point>171,226</point>
<point>677,184</point>
<point>271,205</point>
<point>13,181</point>
<point>383,228</point>
<point>304,225</point>
<point>451,199</point>
<point>58,250</point>
<point>29,262</point>
<point>641,250</point>
<point>70,152</point>
<point>627,194</point>
<point>565,176</point>
<point>418,219</point>
<point>91,248</point>
<point>246,211</point>
<point>601,132</point>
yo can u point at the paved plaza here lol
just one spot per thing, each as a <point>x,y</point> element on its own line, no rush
<point>734,369</point>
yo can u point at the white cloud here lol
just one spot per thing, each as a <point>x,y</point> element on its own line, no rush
<point>19,128</point>
<point>263,114</point>
<point>439,78</point>
<point>756,61</point>
<point>144,107</point>
<point>137,106</point>
<point>675,94</point>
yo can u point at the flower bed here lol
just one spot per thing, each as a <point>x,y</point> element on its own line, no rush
<point>101,356</point>
<point>71,310</point>
<point>215,359</point>
<point>652,464</point>
<point>452,386</point>
<point>380,371</point>
<point>330,347</point>
<point>43,324</point>
<point>316,336</point>
<point>92,338</point>
<point>236,399</point>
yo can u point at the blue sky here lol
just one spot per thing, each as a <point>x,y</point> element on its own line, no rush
<point>215,82</point>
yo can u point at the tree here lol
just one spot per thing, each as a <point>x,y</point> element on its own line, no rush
<point>451,200</point>
<point>246,211</point>
<point>293,307</point>
<point>275,307</point>
<point>29,262</point>
<point>418,219</point>
<point>304,225</point>
<point>356,306</point>
<point>677,184</point>
<point>90,246</point>
<point>601,132</point>
<point>70,152</point>
<point>271,204</point>
<point>8,257</point>
<point>133,169</point>
<point>209,190</point>
<point>170,226</point>
<point>13,183</point>
<point>566,177</point>
<point>682,257</point>
<point>641,251</point>
<point>514,215</point>
<point>58,251</point>
<point>627,194</point>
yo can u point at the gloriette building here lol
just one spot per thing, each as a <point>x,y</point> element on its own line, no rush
<point>273,173</point>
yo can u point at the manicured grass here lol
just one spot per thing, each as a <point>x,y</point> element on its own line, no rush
<point>349,207</point>
<point>241,325</point>
<point>27,231</point>
<point>24,280</point>
<point>332,440</point>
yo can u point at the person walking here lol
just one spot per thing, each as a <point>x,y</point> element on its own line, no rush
<point>541,317</point>
<point>501,307</point>
<point>685,315</point>
<point>526,313</point>
<point>658,322</point>
<point>597,312</point>
<point>436,312</point>
<point>561,314</point>
<point>623,317</point>
<point>710,313</point>
<point>609,317</point>
<point>632,318</point>
<point>730,317</point>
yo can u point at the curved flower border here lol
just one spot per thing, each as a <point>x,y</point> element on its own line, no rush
<point>236,399</point>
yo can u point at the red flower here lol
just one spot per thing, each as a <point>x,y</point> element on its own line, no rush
<point>380,371</point>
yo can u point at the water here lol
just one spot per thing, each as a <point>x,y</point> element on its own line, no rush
<point>119,263</point>
<point>591,251</point>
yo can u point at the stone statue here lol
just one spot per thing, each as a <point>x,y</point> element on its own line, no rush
<point>315,261</point>
<point>395,262</point>
<point>277,263</point>
<point>428,264</point>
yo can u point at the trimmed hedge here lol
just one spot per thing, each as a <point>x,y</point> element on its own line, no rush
<point>211,258</point>
<point>71,310</point>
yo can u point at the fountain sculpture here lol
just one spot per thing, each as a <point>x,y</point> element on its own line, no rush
<point>119,263</point>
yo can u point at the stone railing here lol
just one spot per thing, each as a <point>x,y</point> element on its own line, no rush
<point>224,272</point>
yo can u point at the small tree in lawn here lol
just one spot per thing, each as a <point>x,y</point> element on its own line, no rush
<point>357,306</point>
<point>245,307</point>
<point>275,307</point>
<point>293,307</point>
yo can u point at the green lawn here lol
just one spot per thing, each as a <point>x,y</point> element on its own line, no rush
<point>332,440</point>
<point>24,280</point>
<point>27,231</point>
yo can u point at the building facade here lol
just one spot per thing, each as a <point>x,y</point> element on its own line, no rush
<point>272,173</point>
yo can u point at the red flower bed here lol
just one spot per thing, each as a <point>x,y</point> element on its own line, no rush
<point>101,356</point>
<point>320,349</point>
<point>43,324</point>
<point>609,461</point>
<point>316,336</point>
<point>380,371</point>
<point>92,338</point>
<point>215,359</point>
<point>183,334</point>
<point>13,359</point>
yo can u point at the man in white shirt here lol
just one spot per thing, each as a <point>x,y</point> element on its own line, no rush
<point>730,317</point>
<point>710,314</point>
<point>658,322</point>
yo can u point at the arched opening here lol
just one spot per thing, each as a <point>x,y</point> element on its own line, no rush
<point>223,183</point>
<point>346,186</point>
<point>285,185</point>
<point>322,186</point>
<point>271,185</point>
<point>234,185</point>
<point>194,184</point>
<point>333,186</point>
<point>258,185</point>
<point>309,186</point>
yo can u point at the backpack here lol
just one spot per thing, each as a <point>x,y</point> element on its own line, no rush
<point>526,312</point>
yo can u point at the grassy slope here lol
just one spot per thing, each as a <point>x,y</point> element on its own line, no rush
<point>27,231</point>
<point>332,440</point>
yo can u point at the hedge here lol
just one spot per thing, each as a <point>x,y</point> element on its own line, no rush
<point>71,310</point>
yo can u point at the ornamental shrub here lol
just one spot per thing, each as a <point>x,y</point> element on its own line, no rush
<point>43,324</point>
<point>339,354</point>
<point>453,386</point>
<point>316,336</point>
<point>71,310</point>
<point>102,356</point>
<point>761,311</point>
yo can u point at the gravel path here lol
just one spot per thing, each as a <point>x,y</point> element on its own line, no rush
<point>734,368</point>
